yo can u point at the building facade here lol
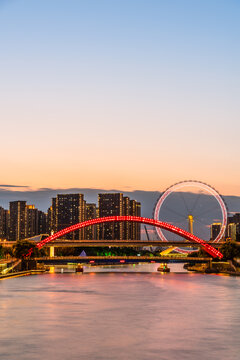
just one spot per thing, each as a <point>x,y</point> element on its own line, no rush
<point>4,223</point>
<point>110,204</point>
<point>31,221</point>
<point>115,204</point>
<point>91,213</point>
<point>24,221</point>
<point>215,229</point>
<point>67,210</point>
<point>233,227</point>
<point>42,222</point>
<point>17,217</point>
<point>135,210</point>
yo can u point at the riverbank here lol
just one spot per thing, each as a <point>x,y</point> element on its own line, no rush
<point>215,268</point>
<point>22,273</point>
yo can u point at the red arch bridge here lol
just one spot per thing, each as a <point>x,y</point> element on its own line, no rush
<point>142,220</point>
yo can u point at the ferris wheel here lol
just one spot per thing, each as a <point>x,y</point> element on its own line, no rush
<point>193,206</point>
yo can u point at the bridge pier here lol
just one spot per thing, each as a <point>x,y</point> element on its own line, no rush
<point>210,264</point>
<point>51,252</point>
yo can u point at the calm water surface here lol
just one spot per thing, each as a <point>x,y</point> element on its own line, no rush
<point>120,316</point>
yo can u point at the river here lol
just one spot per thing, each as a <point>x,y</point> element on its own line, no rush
<point>123,315</point>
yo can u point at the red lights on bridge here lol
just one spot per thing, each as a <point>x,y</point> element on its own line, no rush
<point>157,223</point>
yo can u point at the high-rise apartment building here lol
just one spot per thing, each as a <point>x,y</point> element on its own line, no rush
<point>215,229</point>
<point>31,221</point>
<point>51,218</point>
<point>42,223</point>
<point>238,232</point>
<point>17,220</point>
<point>91,213</point>
<point>127,226</point>
<point>67,210</point>
<point>234,219</point>
<point>25,221</point>
<point>135,210</point>
<point>4,219</point>
<point>110,205</point>
<point>233,227</point>
<point>131,231</point>
<point>231,231</point>
<point>115,204</point>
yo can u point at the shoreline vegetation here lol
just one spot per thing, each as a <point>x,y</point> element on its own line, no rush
<point>230,264</point>
<point>223,267</point>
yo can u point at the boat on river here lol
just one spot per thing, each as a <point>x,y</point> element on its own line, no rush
<point>163,268</point>
<point>79,268</point>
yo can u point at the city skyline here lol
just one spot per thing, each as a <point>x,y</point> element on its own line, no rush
<point>132,95</point>
<point>119,184</point>
<point>23,220</point>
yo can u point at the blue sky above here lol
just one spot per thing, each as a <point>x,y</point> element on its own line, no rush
<point>150,87</point>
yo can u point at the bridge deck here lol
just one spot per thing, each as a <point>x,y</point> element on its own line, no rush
<point>123,243</point>
<point>80,259</point>
<point>117,243</point>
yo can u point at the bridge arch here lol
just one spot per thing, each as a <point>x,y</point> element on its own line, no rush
<point>163,225</point>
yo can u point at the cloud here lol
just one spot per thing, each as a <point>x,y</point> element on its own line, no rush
<point>14,186</point>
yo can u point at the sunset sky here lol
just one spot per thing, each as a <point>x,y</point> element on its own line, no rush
<point>120,94</point>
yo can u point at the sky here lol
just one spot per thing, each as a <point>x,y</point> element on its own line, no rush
<point>120,94</point>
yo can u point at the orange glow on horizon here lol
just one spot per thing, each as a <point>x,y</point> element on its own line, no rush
<point>223,189</point>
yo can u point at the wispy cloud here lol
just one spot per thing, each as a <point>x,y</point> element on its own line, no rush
<point>14,186</point>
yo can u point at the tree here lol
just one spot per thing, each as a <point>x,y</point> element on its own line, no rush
<point>22,247</point>
<point>6,252</point>
<point>230,249</point>
<point>200,253</point>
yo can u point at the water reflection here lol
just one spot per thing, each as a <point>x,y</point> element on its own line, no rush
<point>140,267</point>
<point>120,316</point>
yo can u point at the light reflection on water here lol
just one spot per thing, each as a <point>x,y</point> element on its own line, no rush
<point>120,316</point>
<point>141,267</point>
